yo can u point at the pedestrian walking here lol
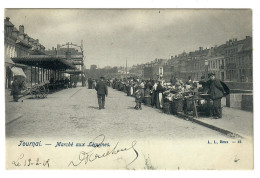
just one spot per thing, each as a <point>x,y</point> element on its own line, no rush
<point>216,92</point>
<point>101,89</point>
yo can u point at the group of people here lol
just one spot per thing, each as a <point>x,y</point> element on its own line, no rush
<point>157,91</point>
<point>160,91</point>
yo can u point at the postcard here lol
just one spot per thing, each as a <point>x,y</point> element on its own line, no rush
<point>128,89</point>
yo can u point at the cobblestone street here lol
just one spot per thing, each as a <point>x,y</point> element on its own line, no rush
<point>74,113</point>
<point>163,141</point>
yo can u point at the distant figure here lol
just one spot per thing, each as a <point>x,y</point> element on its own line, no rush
<point>101,89</point>
<point>139,95</point>
<point>67,81</point>
<point>83,79</point>
<point>216,92</point>
<point>90,82</point>
<point>94,83</point>
<point>159,96</point>
<point>16,90</point>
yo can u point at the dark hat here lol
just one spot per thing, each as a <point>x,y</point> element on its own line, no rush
<point>210,74</point>
<point>102,77</point>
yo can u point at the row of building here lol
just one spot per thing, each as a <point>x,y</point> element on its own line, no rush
<point>231,61</point>
<point>33,59</point>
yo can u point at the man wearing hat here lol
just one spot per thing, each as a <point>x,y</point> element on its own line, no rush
<point>101,89</point>
<point>216,92</point>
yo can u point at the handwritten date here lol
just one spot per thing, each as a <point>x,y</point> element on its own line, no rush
<point>26,162</point>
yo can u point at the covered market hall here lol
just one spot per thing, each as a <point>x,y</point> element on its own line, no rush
<point>45,68</point>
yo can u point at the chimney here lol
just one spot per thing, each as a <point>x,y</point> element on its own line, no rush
<point>37,40</point>
<point>171,57</point>
<point>52,49</point>
<point>201,48</point>
<point>58,47</point>
<point>21,29</point>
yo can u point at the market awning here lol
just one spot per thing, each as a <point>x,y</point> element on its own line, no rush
<point>8,61</point>
<point>44,61</point>
<point>17,71</point>
<point>73,71</point>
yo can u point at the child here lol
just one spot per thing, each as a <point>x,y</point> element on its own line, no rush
<point>139,94</point>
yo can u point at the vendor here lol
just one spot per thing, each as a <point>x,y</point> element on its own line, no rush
<point>159,96</point>
<point>216,92</point>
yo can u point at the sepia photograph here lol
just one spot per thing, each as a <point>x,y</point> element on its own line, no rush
<point>128,89</point>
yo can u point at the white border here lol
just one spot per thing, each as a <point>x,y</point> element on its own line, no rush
<point>136,4</point>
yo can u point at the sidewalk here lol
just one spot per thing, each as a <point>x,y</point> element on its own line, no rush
<point>234,122</point>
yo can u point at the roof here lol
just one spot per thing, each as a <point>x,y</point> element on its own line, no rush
<point>73,71</point>
<point>44,61</point>
<point>8,23</point>
<point>23,43</point>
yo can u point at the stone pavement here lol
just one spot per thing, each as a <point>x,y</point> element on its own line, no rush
<point>234,122</point>
<point>74,113</point>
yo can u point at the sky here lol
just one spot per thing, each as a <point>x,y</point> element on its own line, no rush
<point>110,36</point>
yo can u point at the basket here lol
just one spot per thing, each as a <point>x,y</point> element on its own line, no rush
<point>167,108</point>
<point>147,100</point>
<point>177,106</point>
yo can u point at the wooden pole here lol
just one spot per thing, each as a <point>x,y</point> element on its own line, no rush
<point>43,73</point>
<point>31,75</point>
<point>35,71</point>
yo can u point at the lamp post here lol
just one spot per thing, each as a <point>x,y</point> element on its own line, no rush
<point>206,68</point>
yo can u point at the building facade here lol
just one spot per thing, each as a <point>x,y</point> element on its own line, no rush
<point>18,44</point>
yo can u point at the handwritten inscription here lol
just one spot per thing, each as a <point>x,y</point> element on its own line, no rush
<point>26,162</point>
<point>84,157</point>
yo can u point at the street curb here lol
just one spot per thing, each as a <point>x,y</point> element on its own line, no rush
<point>224,131</point>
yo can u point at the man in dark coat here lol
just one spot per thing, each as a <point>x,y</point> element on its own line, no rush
<point>16,90</point>
<point>216,92</point>
<point>101,89</point>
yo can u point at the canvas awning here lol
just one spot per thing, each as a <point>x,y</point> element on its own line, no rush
<point>17,71</point>
<point>45,61</point>
<point>8,61</point>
